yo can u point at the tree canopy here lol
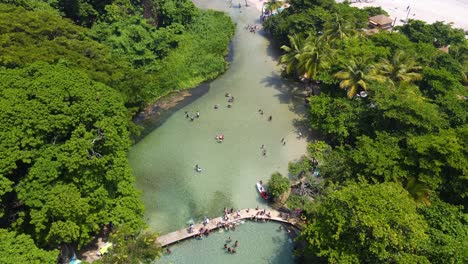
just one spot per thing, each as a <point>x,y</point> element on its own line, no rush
<point>391,110</point>
<point>363,223</point>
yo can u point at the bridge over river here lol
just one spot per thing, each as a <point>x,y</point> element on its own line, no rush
<point>219,222</point>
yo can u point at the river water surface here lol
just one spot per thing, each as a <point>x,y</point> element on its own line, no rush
<point>164,160</point>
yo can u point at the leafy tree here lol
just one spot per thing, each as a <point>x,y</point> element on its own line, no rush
<point>440,160</point>
<point>438,33</point>
<point>374,11</point>
<point>338,118</point>
<point>364,223</point>
<point>448,233</point>
<point>406,109</point>
<point>378,159</point>
<point>168,12</point>
<point>64,144</point>
<point>278,184</point>
<point>20,248</point>
<point>129,247</point>
<point>30,36</point>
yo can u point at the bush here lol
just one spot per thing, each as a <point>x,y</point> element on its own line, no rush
<point>278,184</point>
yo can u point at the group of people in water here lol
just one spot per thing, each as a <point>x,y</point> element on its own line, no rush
<point>192,117</point>
<point>228,248</point>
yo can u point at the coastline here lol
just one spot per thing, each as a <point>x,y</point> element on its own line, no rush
<point>430,11</point>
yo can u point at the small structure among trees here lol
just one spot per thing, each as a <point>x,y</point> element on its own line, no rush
<point>380,21</point>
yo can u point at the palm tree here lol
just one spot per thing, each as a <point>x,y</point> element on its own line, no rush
<point>315,57</point>
<point>355,76</point>
<point>338,28</point>
<point>401,68</point>
<point>292,54</point>
<point>272,5</point>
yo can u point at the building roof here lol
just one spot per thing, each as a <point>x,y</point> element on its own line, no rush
<point>380,20</point>
<point>444,49</point>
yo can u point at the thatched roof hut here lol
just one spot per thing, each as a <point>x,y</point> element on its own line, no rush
<point>380,21</point>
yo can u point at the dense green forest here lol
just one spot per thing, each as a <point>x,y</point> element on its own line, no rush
<point>72,74</point>
<point>391,110</point>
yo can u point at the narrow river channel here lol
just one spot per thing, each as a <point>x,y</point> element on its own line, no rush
<point>164,160</point>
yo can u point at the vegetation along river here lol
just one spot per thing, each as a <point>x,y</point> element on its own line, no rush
<point>164,160</point>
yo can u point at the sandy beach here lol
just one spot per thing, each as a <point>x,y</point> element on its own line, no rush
<point>449,11</point>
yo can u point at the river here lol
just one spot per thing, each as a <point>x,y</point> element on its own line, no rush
<point>164,160</point>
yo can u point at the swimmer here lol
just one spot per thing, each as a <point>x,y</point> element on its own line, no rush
<point>198,114</point>
<point>269,118</point>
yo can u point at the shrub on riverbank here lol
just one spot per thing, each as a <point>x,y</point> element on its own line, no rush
<point>278,184</point>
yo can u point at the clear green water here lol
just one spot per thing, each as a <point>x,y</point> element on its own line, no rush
<point>258,243</point>
<point>164,160</point>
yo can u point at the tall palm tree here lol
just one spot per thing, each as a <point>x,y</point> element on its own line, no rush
<point>355,76</point>
<point>293,53</point>
<point>338,29</point>
<point>315,57</point>
<point>401,68</point>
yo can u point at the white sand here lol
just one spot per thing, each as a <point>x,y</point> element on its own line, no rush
<point>449,11</point>
<point>257,3</point>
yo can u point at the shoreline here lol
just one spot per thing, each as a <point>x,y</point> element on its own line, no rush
<point>429,11</point>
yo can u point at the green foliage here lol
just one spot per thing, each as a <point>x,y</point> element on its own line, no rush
<point>448,233</point>
<point>64,144</point>
<point>168,12</point>
<point>303,165</point>
<point>408,128</point>
<point>317,150</point>
<point>300,202</point>
<point>438,33</point>
<point>338,118</point>
<point>129,247</point>
<point>278,184</point>
<point>200,53</point>
<point>136,40</point>
<point>20,248</point>
<point>29,36</point>
<point>367,224</point>
<point>379,159</point>
<point>374,11</point>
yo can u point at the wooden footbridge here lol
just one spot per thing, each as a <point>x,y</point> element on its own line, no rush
<point>235,217</point>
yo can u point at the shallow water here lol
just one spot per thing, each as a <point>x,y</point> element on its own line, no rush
<point>268,244</point>
<point>164,160</point>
